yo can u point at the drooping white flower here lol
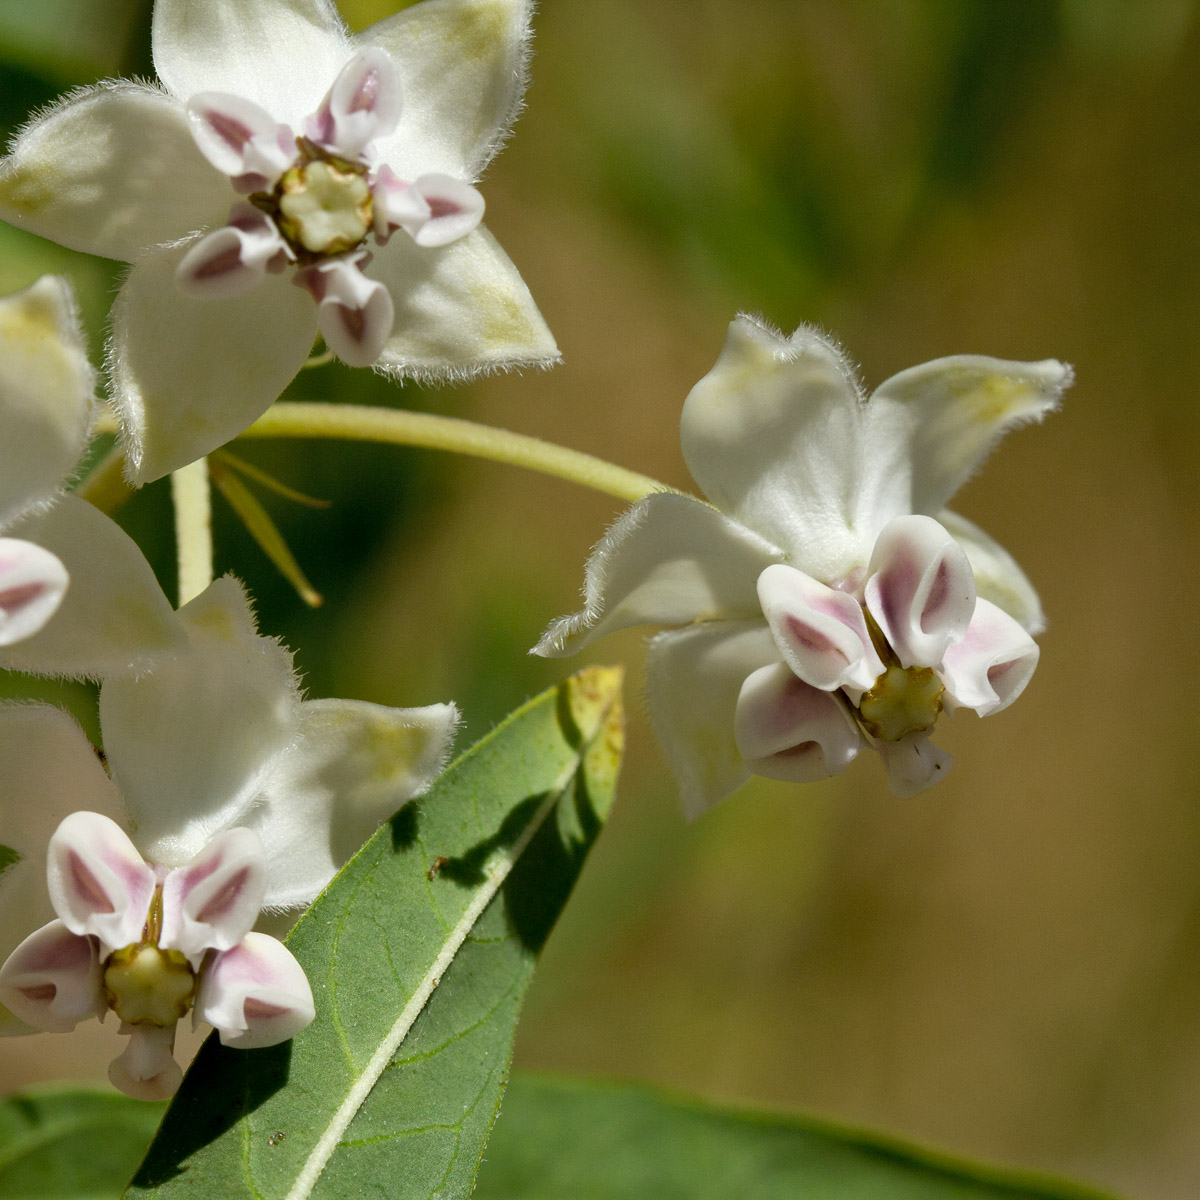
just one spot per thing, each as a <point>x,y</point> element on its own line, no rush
<point>826,598</point>
<point>281,150</point>
<point>224,794</point>
<point>114,616</point>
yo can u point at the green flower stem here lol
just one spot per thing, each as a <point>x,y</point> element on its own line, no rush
<point>192,496</point>
<point>399,427</point>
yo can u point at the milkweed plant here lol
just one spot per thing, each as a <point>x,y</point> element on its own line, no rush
<point>353,919</point>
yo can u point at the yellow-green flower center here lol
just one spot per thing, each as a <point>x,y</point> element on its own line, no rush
<point>325,206</point>
<point>902,701</point>
<point>148,986</point>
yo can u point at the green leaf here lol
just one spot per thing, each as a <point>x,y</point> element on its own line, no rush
<point>561,1138</point>
<point>419,954</point>
<point>8,858</point>
<point>71,1145</point>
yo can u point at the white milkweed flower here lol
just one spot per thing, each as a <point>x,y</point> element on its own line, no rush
<point>224,794</point>
<point>827,599</point>
<point>280,150</point>
<point>113,616</point>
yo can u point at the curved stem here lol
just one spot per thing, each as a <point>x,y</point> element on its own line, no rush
<point>399,427</point>
<point>192,495</point>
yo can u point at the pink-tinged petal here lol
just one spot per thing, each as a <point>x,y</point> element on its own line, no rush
<point>233,260</point>
<point>913,764</point>
<point>464,64</point>
<point>363,104</point>
<point>188,372</point>
<point>778,436</point>
<point>212,902</point>
<point>354,314</point>
<point>455,208</point>
<point>111,170</point>
<point>146,1069</point>
<point>33,583</point>
<point>821,633</point>
<point>990,667</point>
<point>920,590</point>
<point>693,678</point>
<point>787,730</point>
<point>398,205</point>
<point>255,994</point>
<point>52,980</point>
<point>669,560</point>
<point>281,54</point>
<point>99,883</point>
<point>241,139</point>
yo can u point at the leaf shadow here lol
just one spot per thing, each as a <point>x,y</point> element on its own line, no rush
<point>223,1085</point>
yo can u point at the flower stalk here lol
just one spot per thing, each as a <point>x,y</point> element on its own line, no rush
<point>192,497</point>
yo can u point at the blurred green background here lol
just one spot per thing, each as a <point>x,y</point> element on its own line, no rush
<point>1009,965</point>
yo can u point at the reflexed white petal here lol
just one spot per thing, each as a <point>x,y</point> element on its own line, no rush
<point>51,981</point>
<point>109,171</point>
<point>32,585</point>
<point>461,310</point>
<point>787,730</point>
<point>212,902</point>
<point>960,408</point>
<point>47,770</point>
<point>669,560</point>
<point>241,139</point>
<point>991,666</point>
<point>255,994</point>
<point>146,1069</point>
<point>189,373</point>
<point>46,393</point>
<point>455,209</point>
<point>920,590</point>
<point>190,742</point>
<point>233,260</point>
<point>997,576</point>
<point>363,104</point>
<point>355,314</point>
<point>463,64</point>
<point>693,678</point>
<point>821,633</point>
<point>114,617</point>
<point>282,54</point>
<point>352,766</point>
<point>777,436</point>
<point>913,764</point>
<point>98,882</point>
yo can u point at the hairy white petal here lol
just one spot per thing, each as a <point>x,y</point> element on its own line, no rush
<point>52,980</point>
<point>960,408</point>
<point>111,170</point>
<point>99,884</point>
<point>281,54</point>
<point>255,994</point>
<point>920,590</point>
<point>693,678</point>
<point>464,67</point>
<point>992,665</point>
<point>46,393</point>
<point>787,730</point>
<point>777,435</point>
<point>669,560</point>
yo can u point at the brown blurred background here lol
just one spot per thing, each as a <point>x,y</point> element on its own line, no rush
<point>1006,966</point>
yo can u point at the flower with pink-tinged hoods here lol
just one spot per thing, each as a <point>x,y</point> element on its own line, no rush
<point>224,795</point>
<point>281,150</point>
<point>826,600</point>
<point>76,595</point>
